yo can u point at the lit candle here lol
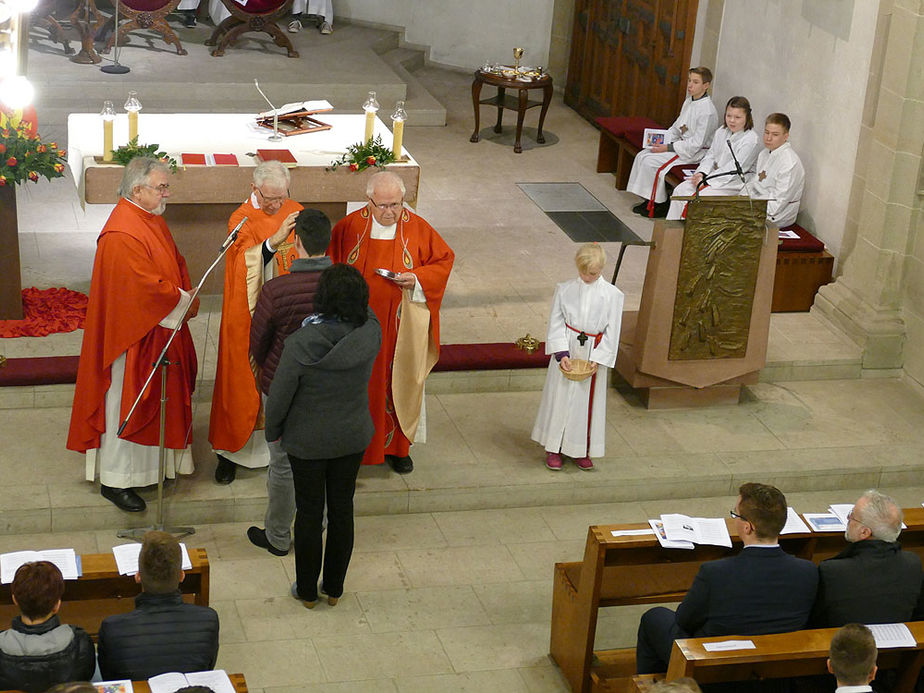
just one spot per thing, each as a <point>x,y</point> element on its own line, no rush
<point>108,114</point>
<point>371,106</point>
<point>397,130</point>
<point>133,105</point>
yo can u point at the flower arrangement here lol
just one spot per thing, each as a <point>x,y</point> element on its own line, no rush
<point>362,155</point>
<point>129,151</point>
<point>23,155</point>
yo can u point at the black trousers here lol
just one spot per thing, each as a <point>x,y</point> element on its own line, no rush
<point>316,480</point>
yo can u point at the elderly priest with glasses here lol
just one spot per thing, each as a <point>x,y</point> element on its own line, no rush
<point>406,264</point>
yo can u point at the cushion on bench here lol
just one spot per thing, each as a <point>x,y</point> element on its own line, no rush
<point>619,125</point>
<point>806,243</point>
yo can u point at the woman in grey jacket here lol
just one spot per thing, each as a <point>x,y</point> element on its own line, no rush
<point>318,406</point>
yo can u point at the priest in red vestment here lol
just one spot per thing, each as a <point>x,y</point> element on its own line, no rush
<point>264,248</point>
<point>384,235</point>
<point>139,292</point>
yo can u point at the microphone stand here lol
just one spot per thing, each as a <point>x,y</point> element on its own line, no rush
<point>161,362</point>
<point>275,137</point>
<point>116,68</point>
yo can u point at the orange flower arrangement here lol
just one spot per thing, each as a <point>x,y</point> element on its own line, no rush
<point>23,155</point>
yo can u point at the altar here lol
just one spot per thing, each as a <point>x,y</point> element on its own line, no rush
<point>203,197</point>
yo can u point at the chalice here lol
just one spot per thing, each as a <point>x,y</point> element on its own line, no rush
<point>517,54</point>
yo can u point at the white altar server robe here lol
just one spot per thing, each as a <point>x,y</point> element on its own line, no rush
<point>779,178</point>
<point>718,159</point>
<point>690,134</point>
<point>568,421</point>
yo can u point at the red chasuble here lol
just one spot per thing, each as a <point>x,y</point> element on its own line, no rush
<point>416,248</point>
<point>236,400</point>
<point>134,286</point>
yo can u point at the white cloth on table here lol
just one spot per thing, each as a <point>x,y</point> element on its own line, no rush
<point>780,178</point>
<point>121,463</point>
<point>562,422</point>
<point>690,136</point>
<point>718,160</point>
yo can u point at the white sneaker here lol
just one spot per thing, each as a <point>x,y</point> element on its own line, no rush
<point>326,28</point>
<point>295,26</point>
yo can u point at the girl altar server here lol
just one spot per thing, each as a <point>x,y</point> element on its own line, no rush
<point>718,166</point>
<point>584,324</point>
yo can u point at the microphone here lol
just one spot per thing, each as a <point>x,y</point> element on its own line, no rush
<point>233,235</point>
<point>735,159</point>
<point>275,137</point>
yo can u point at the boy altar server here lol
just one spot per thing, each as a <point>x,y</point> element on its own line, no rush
<point>687,141</point>
<point>584,324</point>
<point>779,176</point>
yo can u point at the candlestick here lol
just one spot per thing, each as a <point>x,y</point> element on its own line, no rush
<point>108,114</point>
<point>132,105</point>
<point>371,106</point>
<point>397,130</point>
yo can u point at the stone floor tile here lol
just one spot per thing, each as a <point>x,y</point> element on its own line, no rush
<point>507,680</point>
<point>537,559</point>
<point>396,532</point>
<point>480,648</point>
<point>272,663</point>
<point>368,686</point>
<point>381,655</point>
<point>493,526</point>
<point>285,618</point>
<point>81,542</point>
<point>424,608</point>
<point>570,523</point>
<point>459,565</point>
<point>231,630</point>
<point>528,601</point>
<point>249,579</point>
<point>544,678</point>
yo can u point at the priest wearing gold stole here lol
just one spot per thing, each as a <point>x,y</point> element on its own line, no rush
<point>406,294</point>
<point>264,248</point>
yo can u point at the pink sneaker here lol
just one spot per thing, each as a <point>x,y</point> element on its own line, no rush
<point>584,463</point>
<point>553,461</point>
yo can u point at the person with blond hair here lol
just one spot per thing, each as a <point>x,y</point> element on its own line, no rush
<point>583,324</point>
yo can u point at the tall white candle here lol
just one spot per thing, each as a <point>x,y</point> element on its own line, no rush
<point>107,139</point>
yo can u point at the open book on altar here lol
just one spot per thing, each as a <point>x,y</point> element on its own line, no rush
<point>296,118</point>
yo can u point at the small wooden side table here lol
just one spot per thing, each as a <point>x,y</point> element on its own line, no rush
<point>520,104</point>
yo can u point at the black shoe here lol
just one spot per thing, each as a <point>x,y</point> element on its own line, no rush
<point>257,537</point>
<point>189,19</point>
<point>123,498</point>
<point>402,465</point>
<point>660,209</point>
<point>225,471</point>
<point>641,208</point>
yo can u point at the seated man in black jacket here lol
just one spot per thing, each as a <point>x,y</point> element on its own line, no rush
<point>872,580</point>
<point>163,633</point>
<point>39,652</point>
<point>760,590</point>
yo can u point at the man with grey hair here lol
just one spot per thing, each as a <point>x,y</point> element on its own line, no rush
<point>264,249</point>
<point>139,292</point>
<point>406,264</point>
<point>872,580</point>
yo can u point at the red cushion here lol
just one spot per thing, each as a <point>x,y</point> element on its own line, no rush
<point>806,243</point>
<point>263,6</point>
<point>48,370</point>
<point>488,357</point>
<point>618,125</point>
<point>678,170</point>
<point>145,5</point>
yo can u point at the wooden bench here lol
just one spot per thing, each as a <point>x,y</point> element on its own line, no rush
<point>237,680</point>
<point>624,570</point>
<point>620,141</point>
<point>102,592</point>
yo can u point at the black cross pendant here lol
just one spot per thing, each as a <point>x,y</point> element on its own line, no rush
<point>582,338</point>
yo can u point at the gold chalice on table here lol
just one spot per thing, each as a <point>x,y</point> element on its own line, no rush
<point>517,54</point>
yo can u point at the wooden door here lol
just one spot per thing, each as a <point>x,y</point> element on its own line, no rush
<point>630,57</point>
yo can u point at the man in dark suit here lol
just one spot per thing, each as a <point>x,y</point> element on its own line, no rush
<point>760,590</point>
<point>872,580</point>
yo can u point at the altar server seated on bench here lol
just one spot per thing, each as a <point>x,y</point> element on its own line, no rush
<point>687,141</point>
<point>718,171</point>
<point>758,591</point>
<point>778,176</point>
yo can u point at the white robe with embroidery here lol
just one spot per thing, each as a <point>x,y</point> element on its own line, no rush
<point>562,422</point>
<point>719,160</point>
<point>690,134</point>
<point>779,178</point>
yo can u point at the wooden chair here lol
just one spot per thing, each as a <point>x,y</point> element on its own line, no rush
<point>259,15</point>
<point>100,591</point>
<point>43,16</point>
<point>145,14</point>
<point>623,570</point>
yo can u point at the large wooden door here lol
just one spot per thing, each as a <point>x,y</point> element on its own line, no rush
<point>630,57</point>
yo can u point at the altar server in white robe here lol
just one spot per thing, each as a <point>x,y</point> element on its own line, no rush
<point>718,167</point>
<point>584,324</point>
<point>778,176</point>
<point>687,141</point>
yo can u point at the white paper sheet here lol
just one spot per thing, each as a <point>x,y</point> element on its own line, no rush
<point>892,635</point>
<point>727,645</point>
<point>126,556</point>
<point>217,680</point>
<point>794,523</point>
<point>789,234</point>
<point>631,532</point>
<point>65,559</point>
<point>824,522</point>
<point>316,105</point>
<point>699,530</point>
<point>658,528</point>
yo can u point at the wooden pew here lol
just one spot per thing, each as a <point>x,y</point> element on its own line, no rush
<point>618,571</point>
<point>101,591</point>
<point>784,655</point>
<point>237,680</point>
